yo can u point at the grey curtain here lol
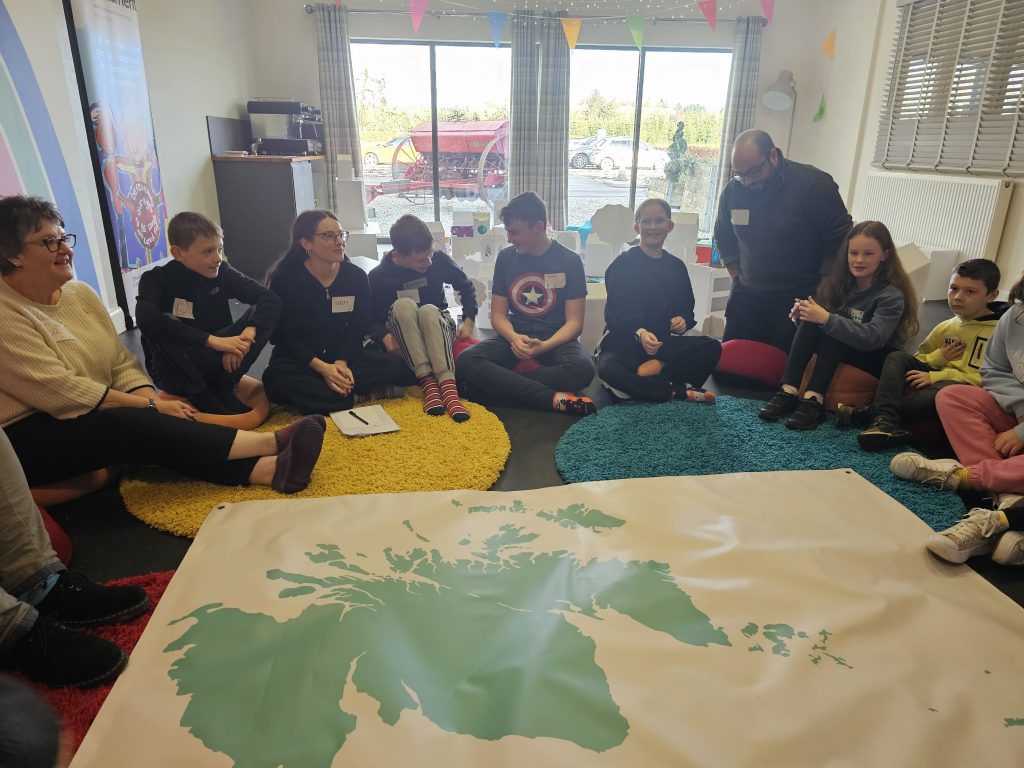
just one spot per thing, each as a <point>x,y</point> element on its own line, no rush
<point>539,127</point>
<point>742,99</point>
<point>337,93</point>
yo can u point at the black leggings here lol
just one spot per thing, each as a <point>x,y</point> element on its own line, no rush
<point>51,450</point>
<point>812,340</point>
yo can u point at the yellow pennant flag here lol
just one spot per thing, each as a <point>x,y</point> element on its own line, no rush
<point>571,27</point>
<point>829,46</point>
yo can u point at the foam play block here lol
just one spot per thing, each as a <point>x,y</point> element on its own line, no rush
<point>850,386</point>
<point>753,361</point>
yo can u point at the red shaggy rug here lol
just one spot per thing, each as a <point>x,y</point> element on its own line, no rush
<point>76,707</point>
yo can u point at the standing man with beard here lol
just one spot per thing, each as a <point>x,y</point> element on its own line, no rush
<point>779,226</point>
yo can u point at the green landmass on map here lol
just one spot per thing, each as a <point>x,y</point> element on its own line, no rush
<point>480,644</point>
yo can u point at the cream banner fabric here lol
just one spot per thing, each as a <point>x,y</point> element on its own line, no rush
<point>789,618</point>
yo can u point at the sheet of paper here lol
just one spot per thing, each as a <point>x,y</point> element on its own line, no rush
<point>376,420</point>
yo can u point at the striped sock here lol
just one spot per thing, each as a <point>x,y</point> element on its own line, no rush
<point>452,404</point>
<point>433,405</point>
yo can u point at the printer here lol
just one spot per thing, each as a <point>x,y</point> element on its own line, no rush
<point>285,127</point>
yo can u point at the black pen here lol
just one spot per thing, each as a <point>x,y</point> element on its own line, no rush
<point>355,415</point>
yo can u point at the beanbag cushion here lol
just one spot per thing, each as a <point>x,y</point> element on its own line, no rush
<point>59,540</point>
<point>850,386</point>
<point>249,391</point>
<point>523,366</point>
<point>754,362</point>
<point>73,488</point>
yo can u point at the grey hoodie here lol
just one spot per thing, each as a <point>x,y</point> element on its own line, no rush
<point>1002,373</point>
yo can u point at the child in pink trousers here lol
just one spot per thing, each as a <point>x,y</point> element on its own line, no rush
<point>986,429</point>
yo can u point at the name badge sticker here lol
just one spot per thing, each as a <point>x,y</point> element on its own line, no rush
<point>183,309</point>
<point>343,303</point>
<point>740,217</point>
<point>554,280</point>
<point>410,293</point>
<point>420,283</point>
<point>58,331</point>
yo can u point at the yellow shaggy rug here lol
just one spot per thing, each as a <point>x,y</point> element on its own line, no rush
<point>429,453</point>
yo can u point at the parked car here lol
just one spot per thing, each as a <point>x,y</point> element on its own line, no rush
<point>617,152</point>
<point>375,153</point>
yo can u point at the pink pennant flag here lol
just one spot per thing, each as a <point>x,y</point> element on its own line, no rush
<point>710,10</point>
<point>768,6</point>
<point>417,8</point>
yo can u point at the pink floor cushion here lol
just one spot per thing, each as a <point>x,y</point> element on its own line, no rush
<point>59,540</point>
<point>524,366</point>
<point>753,360</point>
<point>850,386</point>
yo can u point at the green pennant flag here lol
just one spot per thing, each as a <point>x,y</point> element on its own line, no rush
<point>820,114</point>
<point>636,26</point>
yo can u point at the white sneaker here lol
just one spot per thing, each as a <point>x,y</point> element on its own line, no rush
<point>1009,500</point>
<point>937,472</point>
<point>1010,549</point>
<point>976,534</point>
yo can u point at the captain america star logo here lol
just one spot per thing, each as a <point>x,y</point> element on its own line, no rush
<point>530,296</point>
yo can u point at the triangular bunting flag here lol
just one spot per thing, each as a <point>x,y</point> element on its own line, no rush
<point>636,27</point>
<point>768,6</point>
<point>829,46</point>
<point>337,3</point>
<point>417,8</point>
<point>820,114</point>
<point>497,22</point>
<point>571,27</point>
<point>710,10</point>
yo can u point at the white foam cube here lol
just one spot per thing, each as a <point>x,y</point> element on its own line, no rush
<point>570,239</point>
<point>346,170</point>
<point>498,206</point>
<point>599,256</point>
<point>464,247</point>
<point>361,244</point>
<point>437,230</point>
<point>351,207</point>
<point>682,240</point>
<point>941,261</point>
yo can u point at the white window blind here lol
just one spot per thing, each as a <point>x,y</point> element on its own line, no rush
<point>953,95</point>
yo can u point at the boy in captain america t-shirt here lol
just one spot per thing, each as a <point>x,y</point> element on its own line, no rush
<point>538,299</point>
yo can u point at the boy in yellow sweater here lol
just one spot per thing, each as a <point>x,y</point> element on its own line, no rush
<point>952,354</point>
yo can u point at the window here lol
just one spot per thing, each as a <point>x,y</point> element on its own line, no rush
<point>678,86</point>
<point>397,132</point>
<point>953,97</point>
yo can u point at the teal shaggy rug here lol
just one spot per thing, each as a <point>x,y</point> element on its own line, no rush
<point>668,439</point>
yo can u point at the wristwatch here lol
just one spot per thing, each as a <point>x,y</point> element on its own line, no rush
<point>152,403</point>
<point>639,331</point>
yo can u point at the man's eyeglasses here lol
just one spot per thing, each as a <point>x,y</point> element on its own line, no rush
<point>53,243</point>
<point>333,237</point>
<point>753,173</point>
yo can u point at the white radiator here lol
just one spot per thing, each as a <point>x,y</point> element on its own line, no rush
<point>952,212</point>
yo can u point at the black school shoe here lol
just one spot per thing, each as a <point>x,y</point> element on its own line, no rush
<point>853,415</point>
<point>57,656</point>
<point>883,434</point>
<point>74,601</point>
<point>808,415</point>
<point>781,404</point>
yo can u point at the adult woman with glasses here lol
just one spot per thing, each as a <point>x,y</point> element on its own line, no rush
<point>319,363</point>
<point>73,400</point>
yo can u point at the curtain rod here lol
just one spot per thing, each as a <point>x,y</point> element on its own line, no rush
<point>308,7</point>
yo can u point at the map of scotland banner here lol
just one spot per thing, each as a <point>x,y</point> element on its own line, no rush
<point>759,619</point>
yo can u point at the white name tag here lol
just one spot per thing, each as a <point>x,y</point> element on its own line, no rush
<point>740,217</point>
<point>343,303</point>
<point>410,293</point>
<point>58,331</point>
<point>183,309</point>
<point>556,280</point>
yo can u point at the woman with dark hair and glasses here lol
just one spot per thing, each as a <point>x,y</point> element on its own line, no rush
<point>73,400</point>
<point>319,363</point>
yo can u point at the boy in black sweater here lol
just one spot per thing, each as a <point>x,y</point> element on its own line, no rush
<point>408,312</point>
<point>192,346</point>
<point>644,354</point>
